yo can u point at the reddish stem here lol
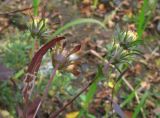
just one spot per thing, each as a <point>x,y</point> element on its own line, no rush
<point>47,88</point>
<point>54,115</point>
<point>50,80</point>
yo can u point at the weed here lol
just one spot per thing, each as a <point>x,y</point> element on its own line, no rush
<point>120,54</point>
<point>16,51</point>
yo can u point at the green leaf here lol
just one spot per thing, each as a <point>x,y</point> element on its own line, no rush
<point>93,88</point>
<point>140,105</point>
<point>141,19</point>
<point>137,42</point>
<point>90,94</point>
<point>90,116</point>
<point>129,99</point>
<point>95,3</point>
<point>144,17</point>
<point>78,22</point>
<point>118,83</point>
<point>81,113</point>
<point>35,7</point>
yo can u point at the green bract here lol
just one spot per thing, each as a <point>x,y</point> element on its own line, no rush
<point>123,48</point>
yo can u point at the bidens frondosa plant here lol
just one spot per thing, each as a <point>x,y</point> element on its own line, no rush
<point>119,56</point>
<point>60,59</point>
<point>121,53</point>
<point>38,28</point>
<point>34,67</point>
<point>123,48</point>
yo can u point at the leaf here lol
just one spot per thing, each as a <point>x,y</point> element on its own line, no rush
<point>90,115</point>
<point>75,49</point>
<point>137,42</point>
<point>143,18</point>
<point>72,114</point>
<point>5,73</point>
<point>111,84</point>
<point>5,114</point>
<point>34,67</point>
<point>36,60</point>
<point>90,94</point>
<point>128,99</point>
<point>77,22</point>
<point>95,4</point>
<point>93,88</point>
<point>140,105</point>
<point>35,7</point>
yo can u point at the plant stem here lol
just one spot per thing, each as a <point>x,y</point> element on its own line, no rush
<point>54,115</point>
<point>50,80</point>
<point>47,88</point>
<point>15,11</point>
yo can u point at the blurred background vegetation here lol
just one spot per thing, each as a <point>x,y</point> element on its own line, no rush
<point>98,25</point>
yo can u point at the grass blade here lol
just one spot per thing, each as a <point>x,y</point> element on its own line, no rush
<point>140,105</point>
<point>35,7</point>
<point>95,3</point>
<point>92,89</point>
<point>142,19</point>
<point>78,22</point>
<point>90,94</point>
<point>129,98</point>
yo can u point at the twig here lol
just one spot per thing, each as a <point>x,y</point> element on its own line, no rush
<point>54,115</point>
<point>47,88</point>
<point>15,11</point>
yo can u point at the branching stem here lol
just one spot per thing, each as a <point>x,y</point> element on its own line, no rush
<point>54,115</point>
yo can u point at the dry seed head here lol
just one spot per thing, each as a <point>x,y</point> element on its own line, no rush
<point>131,34</point>
<point>66,59</point>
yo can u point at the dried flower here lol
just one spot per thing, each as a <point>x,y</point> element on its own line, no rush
<point>68,60</point>
<point>38,28</point>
